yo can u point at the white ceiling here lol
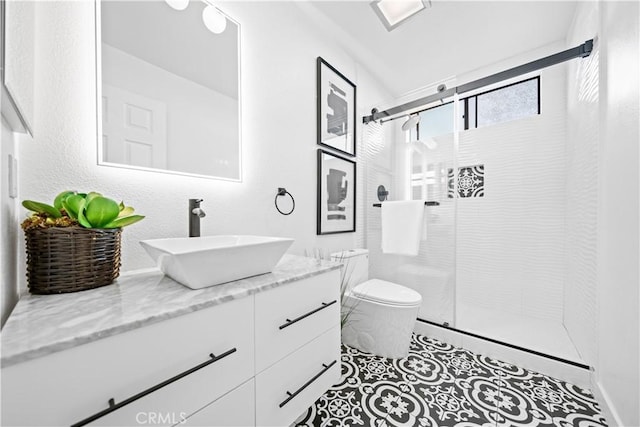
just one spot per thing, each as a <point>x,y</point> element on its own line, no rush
<point>450,38</point>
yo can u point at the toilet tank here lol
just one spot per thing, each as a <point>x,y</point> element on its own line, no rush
<point>356,269</point>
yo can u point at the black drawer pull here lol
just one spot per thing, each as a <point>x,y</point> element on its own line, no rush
<point>297,319</point>
<point>113,406</point>
<point>325,368</point>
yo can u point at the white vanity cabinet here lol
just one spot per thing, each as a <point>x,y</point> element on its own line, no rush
<point>229,364</point>
<point>235,409</point>
<point>297,348</point>
<point>287,388</point>
<point>67,387</point>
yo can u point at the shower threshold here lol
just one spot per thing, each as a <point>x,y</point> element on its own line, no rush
<point>580,365</point>
<point>542,336</point>
<point>536,359</point>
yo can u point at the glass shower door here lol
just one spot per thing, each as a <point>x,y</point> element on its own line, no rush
<point>430,157</point>
<point>418,166</point>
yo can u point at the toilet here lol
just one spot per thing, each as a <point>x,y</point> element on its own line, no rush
<point>381,314</point>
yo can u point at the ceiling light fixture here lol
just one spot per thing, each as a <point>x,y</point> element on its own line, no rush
<point>214,20</point>
<point>392,13</point>
<point>178,4</point>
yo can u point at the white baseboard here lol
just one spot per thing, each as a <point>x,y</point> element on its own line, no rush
<point>553,368</point>
<point>607,408</point>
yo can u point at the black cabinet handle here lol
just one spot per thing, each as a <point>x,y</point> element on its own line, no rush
<point>113,406</point>
<point>325,368</point>
<point>297,319</point>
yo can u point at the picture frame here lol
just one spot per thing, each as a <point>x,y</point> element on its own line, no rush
<point>336,208</point>
<point>336,109</point>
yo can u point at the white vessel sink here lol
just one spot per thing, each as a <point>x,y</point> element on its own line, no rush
<point>198,262</point>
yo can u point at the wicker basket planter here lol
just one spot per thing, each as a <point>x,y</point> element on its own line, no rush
<point>71,259</point>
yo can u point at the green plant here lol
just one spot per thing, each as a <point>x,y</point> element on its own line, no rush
<point>345,277</point>
<point>346,310</point>
<point>89,210</point>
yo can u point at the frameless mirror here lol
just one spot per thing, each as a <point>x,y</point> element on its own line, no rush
<point>169,87</point>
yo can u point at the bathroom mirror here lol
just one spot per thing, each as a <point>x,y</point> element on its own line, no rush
<point>169,87</point>
<point>17,19</point>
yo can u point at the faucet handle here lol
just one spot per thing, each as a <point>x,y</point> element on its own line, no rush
<point>198,212</point>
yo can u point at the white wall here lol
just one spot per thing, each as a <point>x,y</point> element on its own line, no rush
<point>202,124</point>
<point>279,149</point>
<point>8,227</point>
<point>19,62</point>
<point>601,294</point>
<point>618,324</point>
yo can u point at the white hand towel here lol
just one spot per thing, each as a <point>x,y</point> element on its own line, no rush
<point>402,224</point>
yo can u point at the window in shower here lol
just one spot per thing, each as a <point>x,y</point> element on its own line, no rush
<point>423,176</point>
<point>434,121</point>
<point>503,104</point>
<point>429,140</point>
<point>506,103</point>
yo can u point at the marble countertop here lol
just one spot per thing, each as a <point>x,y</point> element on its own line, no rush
<point>45,324</point>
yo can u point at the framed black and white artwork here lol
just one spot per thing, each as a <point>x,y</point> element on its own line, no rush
<point>336,194</point>
<point>336,110</point>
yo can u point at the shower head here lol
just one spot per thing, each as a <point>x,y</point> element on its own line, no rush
<point>411,122</point>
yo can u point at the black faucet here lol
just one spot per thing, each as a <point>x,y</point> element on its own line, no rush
<point>195,213</point>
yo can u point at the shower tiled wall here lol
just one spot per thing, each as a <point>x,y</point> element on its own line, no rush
<point>510,242</point>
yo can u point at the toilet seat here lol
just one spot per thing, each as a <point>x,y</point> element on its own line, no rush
<point>388,293</point>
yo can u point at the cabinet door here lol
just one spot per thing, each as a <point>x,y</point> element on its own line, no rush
<point>234,409</point>
<point>288,388</point>
<point>290,316</point>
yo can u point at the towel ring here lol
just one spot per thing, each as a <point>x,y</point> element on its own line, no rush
<point>283,192</point>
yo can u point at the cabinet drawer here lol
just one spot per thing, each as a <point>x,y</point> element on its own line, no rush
<point>235,408</point>
<point>288,388</point>
<point>74,384</point>
<point>289,316</point>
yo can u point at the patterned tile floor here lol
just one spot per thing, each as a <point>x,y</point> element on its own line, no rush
<point>441,385</point>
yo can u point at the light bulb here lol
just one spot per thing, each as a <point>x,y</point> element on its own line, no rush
<point>214,20</point>
<point>178,4</point>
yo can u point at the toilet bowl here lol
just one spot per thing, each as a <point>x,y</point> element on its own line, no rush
<point>378,316</point>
